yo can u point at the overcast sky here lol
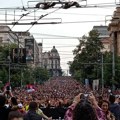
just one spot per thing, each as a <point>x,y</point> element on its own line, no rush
<point>75,23</point>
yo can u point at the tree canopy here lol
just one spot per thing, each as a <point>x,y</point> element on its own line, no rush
<point>87,61</point>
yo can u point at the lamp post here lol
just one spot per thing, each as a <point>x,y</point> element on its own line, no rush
<point>113,58</point>
<point>102,69</point>
<point>102,72</point>
<point>9,61</point>
<point>21,79</point>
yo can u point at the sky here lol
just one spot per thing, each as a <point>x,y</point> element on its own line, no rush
<point>75,22</point>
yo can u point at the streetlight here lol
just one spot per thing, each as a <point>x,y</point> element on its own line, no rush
<point>102,69</point>
<point>9,61</point>
<point>114,36</point>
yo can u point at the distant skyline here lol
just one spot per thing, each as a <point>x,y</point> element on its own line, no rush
<point>76,22</point>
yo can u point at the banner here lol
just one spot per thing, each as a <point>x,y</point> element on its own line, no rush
<point>29,45</point>
<point>96,84</point>
<point>86,83</point>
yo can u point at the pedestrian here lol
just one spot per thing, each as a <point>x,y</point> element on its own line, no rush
<point>15,115</point>
<point>32,114</point>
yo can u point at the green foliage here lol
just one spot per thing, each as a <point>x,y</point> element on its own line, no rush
<point>88,58</point>
<point>3,75</point>
<point>77,75</point>
<point>4,51</point>
<point>40,74</point>
<point>25,74</point>
<point>86,54</point>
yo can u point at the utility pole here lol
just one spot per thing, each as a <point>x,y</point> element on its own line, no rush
<point>113,58</point>
<point>21,77</point>
<point>9,61</point>
<point>102,73</point>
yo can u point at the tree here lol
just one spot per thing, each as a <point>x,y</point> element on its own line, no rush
<point>3,75</point>
<point>4,53</point>
<point>40,75</point>
<point>87,61</point>
<point>27,74</point>
<point>87,56</point>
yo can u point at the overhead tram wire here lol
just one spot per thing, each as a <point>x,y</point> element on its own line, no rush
<point>76,13</point>
<point>33,19</point>
<point>84,21</point>
<point>35,22</point>
<point>83,6</point>
<point>60,36</point>
<point>60,46</point>
<point>16,22</point>
<point>23,5</point>
<point>56,38</point>
<point>58,13</point>
<point>53,23</point>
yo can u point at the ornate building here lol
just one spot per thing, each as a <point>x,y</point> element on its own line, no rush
<point>51,62</point>
<point>7,36</point>
<point>104,37</point>
<point>114,29</point>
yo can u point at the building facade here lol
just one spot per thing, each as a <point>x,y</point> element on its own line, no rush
<point>102,30</point>
<point>34,51</point>
<point>51,62</point>
<point>22,36</point>
<point>104,37</point>
<point>114,29</point>
<point>32,48</point>
<point>8,37</point>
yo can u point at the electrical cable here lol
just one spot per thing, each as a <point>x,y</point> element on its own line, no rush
<point>84,6</point>
<point>55,35</point>
<point>60,46</point>
<point>23,5</point>
<point>44,23</point>
<point>58,13</point>
<point>74,13</point>
<point>84,21</point>
<point>35,22</point>
<point>16,22</point>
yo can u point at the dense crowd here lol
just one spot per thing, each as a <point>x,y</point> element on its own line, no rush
<point>60,89</point>
<point>59,98</point>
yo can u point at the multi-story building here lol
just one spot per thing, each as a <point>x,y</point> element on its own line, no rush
<point>32,48</point>
<point>104,37</point>
<point>102,30</point>
<point>22,36</point>
<point>114,29</point>
<point>51,62</point>
<point>34,56</point>
<point>7,36</point>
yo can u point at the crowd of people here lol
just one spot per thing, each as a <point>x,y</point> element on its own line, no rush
<point>60,89</point>
<point>59,98</point>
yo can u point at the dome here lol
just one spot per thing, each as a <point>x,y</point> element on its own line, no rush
<point>54,50</point>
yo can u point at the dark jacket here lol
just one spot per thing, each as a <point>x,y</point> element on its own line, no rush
<point>32,115</point>
<point>115,109</point>
<point>4,111</point>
